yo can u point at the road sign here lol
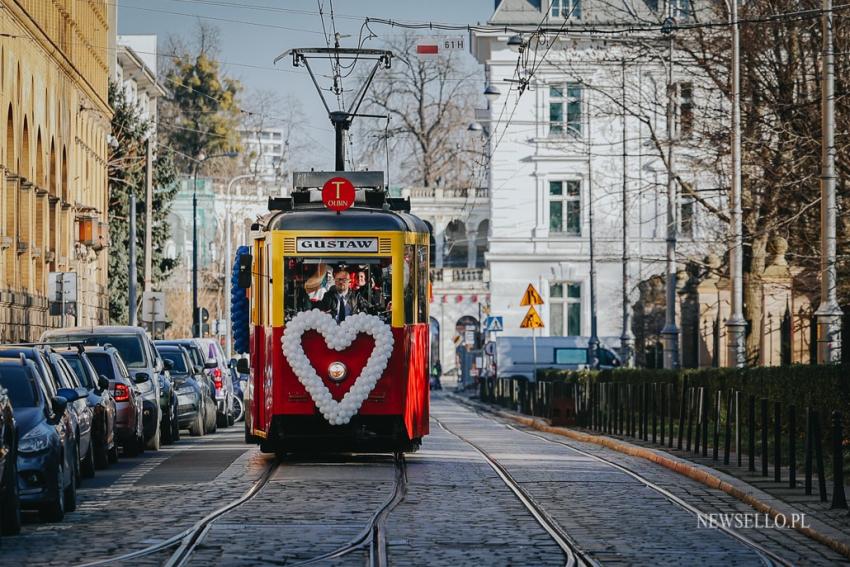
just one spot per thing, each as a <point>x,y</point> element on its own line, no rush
<point>490,348</point>
<point>62,287</point>
<point>153,307</point>
<point>441,44</point>
<point>338,194</point>
<point>531,297</point>
<point>532,319</point>
<point>494,323</point>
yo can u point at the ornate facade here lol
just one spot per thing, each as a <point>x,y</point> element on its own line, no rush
<point>54,70</point>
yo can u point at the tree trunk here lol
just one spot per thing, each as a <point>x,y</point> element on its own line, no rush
<point>753,298</point>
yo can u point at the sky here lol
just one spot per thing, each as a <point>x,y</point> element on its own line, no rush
<point>254,32</point>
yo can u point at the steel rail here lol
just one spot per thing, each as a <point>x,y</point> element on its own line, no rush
<point>768,557</point>
<point>373,534</point>
<point>192,533</point>
<point>576,556</point>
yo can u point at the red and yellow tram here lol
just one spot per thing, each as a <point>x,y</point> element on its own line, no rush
<point>330,373</point>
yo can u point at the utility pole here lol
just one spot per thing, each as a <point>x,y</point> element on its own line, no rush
<point>131,296</point>
<point>736,324</point>
<point>593,343</point>
<point>829,312</point>
<point>670,332</point>
<point>626,337</point>
<point>196,319</point>
<point>148,216</point>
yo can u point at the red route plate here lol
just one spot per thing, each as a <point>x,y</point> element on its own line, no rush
<point>338,194</point>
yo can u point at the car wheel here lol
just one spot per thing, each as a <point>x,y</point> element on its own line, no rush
<point>140,445</point>
<point>155,442</point>
<point>131,447</point>
<point>78,478</point>
<point>10,518</point>
<point>165,430</point>
<point>87,465</point>
<point>175,425</point>
<point>231,418</point>
<point>212,420</point>
<point>101,454</point>
<point>113,453</point>
<point>196,429</point>
<point>54,510</point>
<point>70,496</point>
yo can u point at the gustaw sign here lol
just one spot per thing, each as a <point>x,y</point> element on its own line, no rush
<point>319,244</point>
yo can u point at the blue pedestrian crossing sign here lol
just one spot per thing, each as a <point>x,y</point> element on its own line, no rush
<point>494,323</point>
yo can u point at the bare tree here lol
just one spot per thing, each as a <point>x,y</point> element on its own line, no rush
<point>430,102</point>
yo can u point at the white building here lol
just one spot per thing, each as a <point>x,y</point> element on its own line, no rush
<point>136,71</point>
<point>460,283</point>
<point>265,151</point>
<point>561,151</point>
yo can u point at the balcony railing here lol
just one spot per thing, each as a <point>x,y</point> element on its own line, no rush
<point>442,193</point>
<point>459,274</point>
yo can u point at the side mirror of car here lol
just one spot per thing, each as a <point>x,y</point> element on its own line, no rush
<point>210,364</point>
<point>103,383</point>
<point>242,366</point>
<point>141,377</point>
<point>168,363</point>
<point>197,369</point>
<point>82,393</point>
<point>59,404</point>
<point>243,278</point>
<point>68,394</point>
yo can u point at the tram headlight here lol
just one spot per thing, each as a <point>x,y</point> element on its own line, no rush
<point>337,371</point>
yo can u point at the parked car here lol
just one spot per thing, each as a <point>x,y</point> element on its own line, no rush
<point>100,401</point>
<point>144,363</point>
<point>10,505</point>
<point>196,403</point>
<point>196,353</point>
<point>240,382</point>
<point>54,368</point>
<point>47,448</point>
<point>221,377</point>
<point>129,428</point>
<point>516,355</point>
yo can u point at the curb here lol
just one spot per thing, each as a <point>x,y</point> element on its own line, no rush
<point>696,472</point>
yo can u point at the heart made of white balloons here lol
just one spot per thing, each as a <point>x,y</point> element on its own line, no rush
<point>338,337</point>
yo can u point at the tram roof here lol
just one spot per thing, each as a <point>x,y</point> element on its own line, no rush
<point>355,219</point>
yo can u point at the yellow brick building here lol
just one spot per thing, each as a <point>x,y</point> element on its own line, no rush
<point>54,70</point>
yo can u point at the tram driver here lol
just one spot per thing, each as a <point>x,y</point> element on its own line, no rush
<point>341,301</point>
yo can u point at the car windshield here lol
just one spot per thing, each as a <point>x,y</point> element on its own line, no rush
<point>130,346</point>
<point>102,364</point>
<point>76,364</point>
<point>177,359</point>
<point>21,386</point>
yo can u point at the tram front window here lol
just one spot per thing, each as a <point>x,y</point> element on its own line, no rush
<point>340,287</point>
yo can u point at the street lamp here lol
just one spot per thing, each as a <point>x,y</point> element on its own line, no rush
<point>227,258</point>
<point>515,43</point>
<point>491,93</point>
<point>196,318</point>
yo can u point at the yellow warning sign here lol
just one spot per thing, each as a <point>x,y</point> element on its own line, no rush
<point>532,319</point>
<point>531,297</point>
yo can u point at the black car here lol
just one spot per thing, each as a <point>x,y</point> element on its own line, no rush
<point>47,448</point>
<point>57,374</point>
<point>101,403</point>
<point>10,505</point>
<point>196,406</point>
<point>199,361</point>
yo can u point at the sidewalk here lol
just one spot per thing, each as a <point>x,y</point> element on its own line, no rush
<point>830,527</point>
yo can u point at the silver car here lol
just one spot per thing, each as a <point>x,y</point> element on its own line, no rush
<point>224,393</point>
<point>141,358</point>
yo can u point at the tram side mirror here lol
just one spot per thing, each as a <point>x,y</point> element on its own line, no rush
<point>243,279</point>
<point>242,366</point>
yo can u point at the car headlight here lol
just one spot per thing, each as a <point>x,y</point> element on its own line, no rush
<point>34,441</point>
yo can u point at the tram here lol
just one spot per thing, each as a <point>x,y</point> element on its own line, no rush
<point>336,282</point>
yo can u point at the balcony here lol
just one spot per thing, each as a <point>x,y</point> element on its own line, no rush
<point>447,275</point>
<point>440,193</point>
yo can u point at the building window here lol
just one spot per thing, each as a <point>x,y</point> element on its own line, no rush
<point>681,10</point>
<point>566,9</point>
<point>565,309</point>
<point>686,218</point>
<point>565,109</point>
<point>686,110</point>
<point>565,207</point>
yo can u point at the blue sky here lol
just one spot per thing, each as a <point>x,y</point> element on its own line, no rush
<point>254,32</point>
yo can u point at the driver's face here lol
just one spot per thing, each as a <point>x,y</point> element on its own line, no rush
<point>341,281</point>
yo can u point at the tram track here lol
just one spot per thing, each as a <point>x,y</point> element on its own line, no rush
<point>575,555</point>
<point>767,557</point>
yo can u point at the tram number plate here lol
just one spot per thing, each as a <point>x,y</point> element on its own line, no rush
<point>328,244</point>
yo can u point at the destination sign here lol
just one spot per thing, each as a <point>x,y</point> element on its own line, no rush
<point>336,244</point>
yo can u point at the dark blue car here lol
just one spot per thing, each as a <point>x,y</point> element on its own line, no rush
<point>46,445</point>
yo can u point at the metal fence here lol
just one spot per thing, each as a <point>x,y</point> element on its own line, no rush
<point>765,436</point>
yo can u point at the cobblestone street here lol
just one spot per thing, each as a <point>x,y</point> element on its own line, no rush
<point>453,508</point>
